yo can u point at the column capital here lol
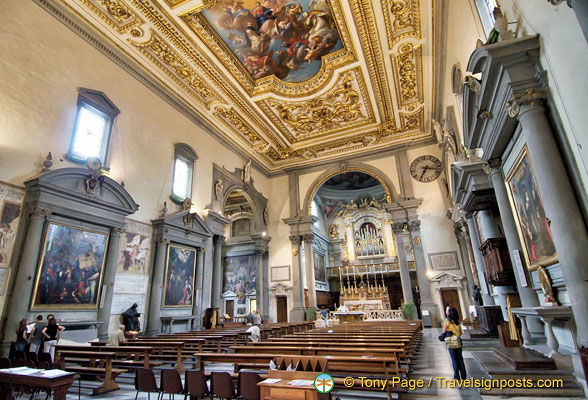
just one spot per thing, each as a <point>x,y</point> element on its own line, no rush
<point>295,239</point>
<point>524,101</point>
<point>163,241</point>
<point>37,212</point>
<point>118,231</point>
<point>495,163</point>
<point>414,226</point>
<point>309,237</point>
<point>398,227</point>
<point>219,238</point>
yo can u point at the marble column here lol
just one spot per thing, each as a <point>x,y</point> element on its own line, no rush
<point>265,275</point>
<point>309,264</point>
<point>489,229</point>
<point>197,300</point>
<point>463,251</point>
<point>527,294</point>
<point>108,282</point>
<point>259,281</point>
<point>561,209</point>
<point>153,321</point>
<point>471,260</point>
<point>25,274</point>
<point>397,227</point>
<point>480,265</point>
<point>421,269</point>
<point>298,312</point>
<point>217,273</point>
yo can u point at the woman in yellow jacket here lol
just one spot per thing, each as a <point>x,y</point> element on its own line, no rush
<point>452,325</point>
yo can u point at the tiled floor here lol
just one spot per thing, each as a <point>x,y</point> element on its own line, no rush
<point>432,361</point>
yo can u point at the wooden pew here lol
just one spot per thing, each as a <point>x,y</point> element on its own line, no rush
<point>107,371</point>
<point>165,350</point>
<point>137,357</point>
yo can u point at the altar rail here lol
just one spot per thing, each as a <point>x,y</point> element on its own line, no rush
<point>387,268</point>
<point>375,315</point>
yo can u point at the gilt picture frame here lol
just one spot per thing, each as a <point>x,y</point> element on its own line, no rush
<point>71,268</point>
<point>180,269</point>
<point>530,218</point>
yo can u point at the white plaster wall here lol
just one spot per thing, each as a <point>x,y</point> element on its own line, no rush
<point>564,51</point>
<point>45,63</point>
<point>304,184</point>
<point>388,166</point>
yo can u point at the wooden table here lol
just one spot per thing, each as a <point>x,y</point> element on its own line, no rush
<point>282,390</point>
<point>58,384</point>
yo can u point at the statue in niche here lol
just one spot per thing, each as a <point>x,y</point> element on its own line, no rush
<point>131,319</point>
<point>218,189</point>
<point>477,295</point>
<point>247,173</point>
<point>265,216</point>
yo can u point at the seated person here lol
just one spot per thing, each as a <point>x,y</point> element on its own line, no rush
<point>118,337</point>
<point>254,333</point>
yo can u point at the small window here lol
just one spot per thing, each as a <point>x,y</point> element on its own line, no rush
<point>92,127</point>
<point>486,11</point>
<point>184,160</point>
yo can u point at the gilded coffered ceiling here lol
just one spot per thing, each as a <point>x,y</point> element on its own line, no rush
<point>289,83</point>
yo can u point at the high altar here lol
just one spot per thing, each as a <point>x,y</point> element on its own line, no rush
<point>362,296</point>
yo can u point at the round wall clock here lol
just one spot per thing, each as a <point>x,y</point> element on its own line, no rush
<point>425,168</point>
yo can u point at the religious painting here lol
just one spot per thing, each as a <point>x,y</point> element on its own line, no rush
<point>239,276</point>
<point>133,257</point>
<point>71,268</point>
<point>276,37</point>
<point>241,227</point>
<point>179,276</point>
<point>319,268</point>
<point>532,223</point>
<point>9,218</point>
<point>445,260</point>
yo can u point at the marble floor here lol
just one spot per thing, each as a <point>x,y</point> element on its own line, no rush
<point>431,362</point>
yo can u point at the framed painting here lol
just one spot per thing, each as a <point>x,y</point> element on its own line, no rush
<point>133,254</point>
<point>319,268</point>
<point>532,223</point>
<point>239,276</point>
<point>9,218</point>
<point>443,261</point>
<point>179,276</point>
<point>71,268</point>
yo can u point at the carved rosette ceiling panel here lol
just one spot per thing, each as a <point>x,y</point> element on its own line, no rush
<point>285,83</point>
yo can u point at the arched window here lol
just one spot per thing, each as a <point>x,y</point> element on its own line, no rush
<point>485,9</point>
<point>184,160</point>
<point>92,127</point>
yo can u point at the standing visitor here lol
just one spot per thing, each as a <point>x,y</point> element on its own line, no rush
<point>51,333</point>
<point>325,317</point>
<point>36,337</point>
<point>21,335</point>
<point>454,345</point>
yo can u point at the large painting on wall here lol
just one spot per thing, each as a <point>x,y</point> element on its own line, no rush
<point>319,268</point>
<point>277,37</point>
<point>179,276</point>
<point>532,222</point>
<point>9,217</point>
<point>240,276</point>
<point>71,267</point>
<point>134,248</point>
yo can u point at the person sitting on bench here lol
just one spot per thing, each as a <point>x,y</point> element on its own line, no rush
<point>118,337</point>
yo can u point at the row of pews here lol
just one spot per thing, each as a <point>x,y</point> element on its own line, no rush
<point>99,361</point>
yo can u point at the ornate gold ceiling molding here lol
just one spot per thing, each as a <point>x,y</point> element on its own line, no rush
<point>366,25</point>
<point>164,57</point>
<point>115,13</point>
<point>175,3</point>
<point>233,120</point>
<point>330,62</point>
<point>403,19</point>
<point>201,62</point>
<point>408,74</point>
<point>413,121</point>
<point>346,106</point>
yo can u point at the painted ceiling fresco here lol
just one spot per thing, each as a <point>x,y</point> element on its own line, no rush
<point>276,37</point>
<point>285,83</point>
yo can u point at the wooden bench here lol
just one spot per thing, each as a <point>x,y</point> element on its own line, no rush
<point>107,371</point>
<point>129,357</point>
<point>165,350</point>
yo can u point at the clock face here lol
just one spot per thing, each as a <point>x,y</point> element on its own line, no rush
<point>425,168</point>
